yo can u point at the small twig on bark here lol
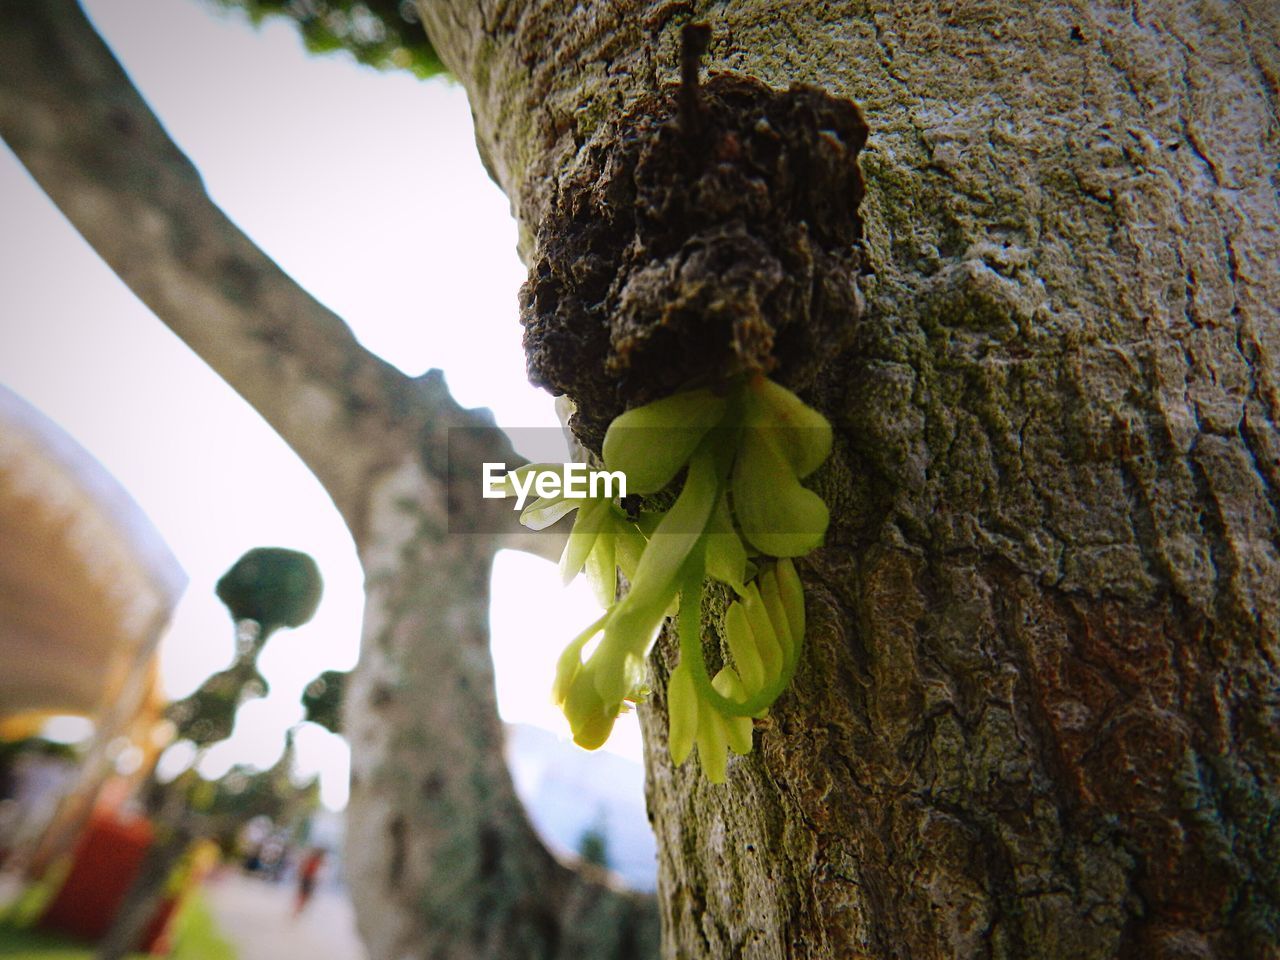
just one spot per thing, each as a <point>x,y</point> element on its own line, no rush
<point>695,38</point>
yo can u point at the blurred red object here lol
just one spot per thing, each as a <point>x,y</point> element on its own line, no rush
<point>104,864</point>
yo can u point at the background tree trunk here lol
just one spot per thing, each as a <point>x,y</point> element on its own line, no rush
<point>441,860</point>
<point>1037,716</point>
<point>444,861</point>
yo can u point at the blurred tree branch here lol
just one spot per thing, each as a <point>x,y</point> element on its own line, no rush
<point>71,114</point>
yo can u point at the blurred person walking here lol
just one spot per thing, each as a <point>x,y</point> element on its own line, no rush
<point>308,873</point>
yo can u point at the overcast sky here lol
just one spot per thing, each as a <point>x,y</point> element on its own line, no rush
<point>365,187</point>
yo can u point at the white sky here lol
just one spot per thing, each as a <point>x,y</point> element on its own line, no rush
<point>365,187</point>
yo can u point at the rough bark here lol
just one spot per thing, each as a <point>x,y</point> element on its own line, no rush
<point>442,861</point>
<point>1038,712</point>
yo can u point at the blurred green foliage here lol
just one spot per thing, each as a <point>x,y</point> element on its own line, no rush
<point>271,587</point>
<point>386,34</point>
<point>10,750</point>
<point>274,587</point>
<point>593,846</point>
<point>322,700</point>
<point>243,793</point>
<point>209,714</point>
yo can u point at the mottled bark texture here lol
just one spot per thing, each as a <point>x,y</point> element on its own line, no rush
<point>442,862</point>
<point>1037,716</point>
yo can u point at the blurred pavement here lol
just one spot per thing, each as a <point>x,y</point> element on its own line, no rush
<point>257,918</point>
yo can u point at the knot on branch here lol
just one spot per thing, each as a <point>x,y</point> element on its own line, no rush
<point>673,256</point>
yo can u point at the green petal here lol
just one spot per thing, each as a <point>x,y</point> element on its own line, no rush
<point>590,717</point>
<point>772,603</point>
<point>567,667</point>
<point>682,714</point>
<point>738,732</point>
<point>737,729</point>
<point>651,443</point>
<point>582,538</point>
<point>801,432</point>
<point>545,511</point>
<point>726,556</point>
<point>602,569</point>
<point>629,546</point>
<point>767,642</point>
<point>713,745</point>
<point>634,622</point>
<point>680,530</point>
<point>616,667</point>
<point>791,591</point>
<point>625,639</point>
<point>777,515</point>
<point>743,648</point>
<point>570,662</point>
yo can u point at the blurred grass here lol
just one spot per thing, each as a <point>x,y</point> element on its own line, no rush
<point>195,937</point>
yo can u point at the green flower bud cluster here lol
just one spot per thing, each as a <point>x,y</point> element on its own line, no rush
<point>763,631</point>
<point>743,452</point>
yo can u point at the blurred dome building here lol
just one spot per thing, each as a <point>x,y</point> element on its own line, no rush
<point>87,587</point>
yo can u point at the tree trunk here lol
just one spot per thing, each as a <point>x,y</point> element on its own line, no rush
<point>445,862</point>
<point>1037,715</point>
